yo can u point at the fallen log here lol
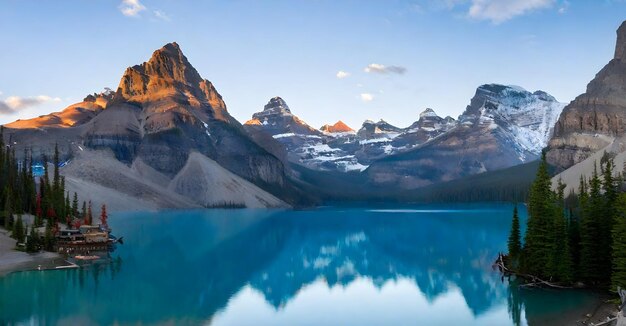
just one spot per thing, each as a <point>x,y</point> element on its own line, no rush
<point>534,280</point>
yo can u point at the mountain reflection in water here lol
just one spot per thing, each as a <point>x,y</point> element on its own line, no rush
<point>348,266</point>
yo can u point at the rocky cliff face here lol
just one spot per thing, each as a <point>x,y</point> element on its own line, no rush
<point>277,119</point>
<point>503,126</point>
<point>162,112</point>
<point>595,118</point>
<point>338,127</point>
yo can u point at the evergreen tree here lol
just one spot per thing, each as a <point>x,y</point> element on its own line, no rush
<point>618,275</point>
<point>104,217</point>
<point>560,264</point>
<point>8,210</point>
<point>590,232</point>
<point>515,245</point>
<point>539,238</point>
<point>83,213</point>
<point>19,233</point>
<point>49,240</point>
<point>89,214</point>
<point>75,206</point>
<point>32,242</point>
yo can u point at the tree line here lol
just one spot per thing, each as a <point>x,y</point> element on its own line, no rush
<point>46,198</point>
<point>578,238</point>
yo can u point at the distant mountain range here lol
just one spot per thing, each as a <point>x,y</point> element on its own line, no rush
<point>503,126</point>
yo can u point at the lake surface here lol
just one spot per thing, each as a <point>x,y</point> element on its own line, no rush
<point>419,265</point>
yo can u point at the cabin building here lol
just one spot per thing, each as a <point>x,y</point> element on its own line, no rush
<point>86,239</point>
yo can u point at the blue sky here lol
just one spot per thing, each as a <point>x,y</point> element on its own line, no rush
<point>420,53</point>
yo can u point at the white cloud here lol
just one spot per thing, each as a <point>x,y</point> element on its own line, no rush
<point>16,103</point>
<point>131,8</point>
<point>382,69</point>
<point>342,74</point>
<point>564,7</point>
<point>367,97</point>
<point>499,11</point>
<point>161,15</point>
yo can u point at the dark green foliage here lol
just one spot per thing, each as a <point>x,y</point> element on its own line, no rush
<point>33,242</point>
<point>74,212</point>
<point>582,237</point>
<point>49,239</point>
<point>618,277</point>
<point>592,249</point>
<point>560,264</point>
<point>19,232</point>
<point>539,239</point>
<point>515,244</point>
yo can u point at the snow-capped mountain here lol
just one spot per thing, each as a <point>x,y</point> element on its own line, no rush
<point>338,147</point>
<point>277,119</point>
<point>503,126</point>
<point>528,117</point>
<point>509,122</point>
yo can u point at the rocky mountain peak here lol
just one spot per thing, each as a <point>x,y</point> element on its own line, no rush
<point>338,127</point>
<point>276,118</point>
<point>277,105</point>
<point>428,113</point>
<point>620,46</point>
<point>169,81</point>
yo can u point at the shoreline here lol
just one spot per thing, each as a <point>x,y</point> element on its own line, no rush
<point>12,260</point>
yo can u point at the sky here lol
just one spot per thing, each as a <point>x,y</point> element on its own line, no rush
<point>330,60</point>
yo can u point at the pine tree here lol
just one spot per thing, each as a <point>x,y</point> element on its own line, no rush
<point>515,245</point>
<point>49,240</point>
<point>618,275</point>
<point>539,238</point>
<point>75,206</point>
<point>560,265</point>
<point>89,214</point>
<point>19,233</point>
<point>104,217</point>
<point>590,232</point>
<point>32,242</point>
<point>83,213</point>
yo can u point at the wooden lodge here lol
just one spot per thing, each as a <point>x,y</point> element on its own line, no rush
<point>88,238</point>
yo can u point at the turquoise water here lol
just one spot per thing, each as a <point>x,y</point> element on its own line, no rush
<point>421,265</point>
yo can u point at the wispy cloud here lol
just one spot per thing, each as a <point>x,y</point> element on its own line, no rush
<point>366,97</point>
<point>382,69</point>
<point>15,103</point>
<point>564,7</point>
<point>342,74</point>
<point>161,15</point>
<point>498,11</point>
<point>131,8</point>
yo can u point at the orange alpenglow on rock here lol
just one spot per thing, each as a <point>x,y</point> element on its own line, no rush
<point>253,122</point>
<point>71,116</point>
<point>338,127</point>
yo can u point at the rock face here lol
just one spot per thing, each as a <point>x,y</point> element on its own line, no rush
<point>276,119</point>
<point>338,127</point>
<point>162,112</point>
<point>503,126</point>
<point>595,118</point>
